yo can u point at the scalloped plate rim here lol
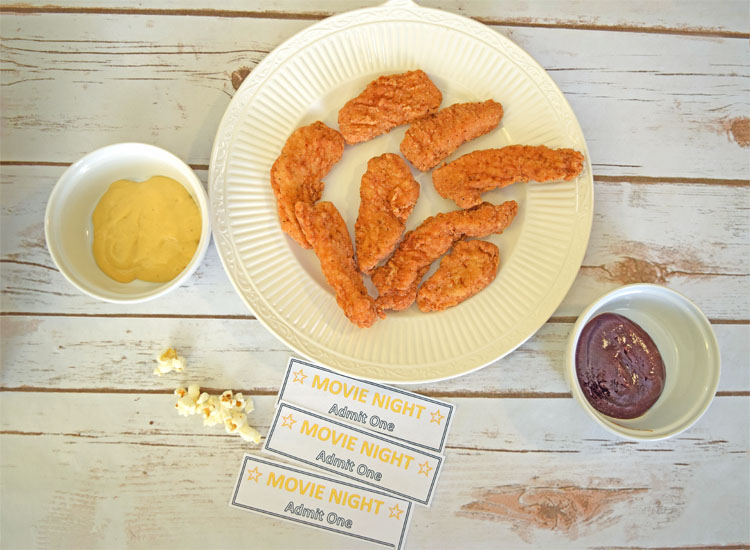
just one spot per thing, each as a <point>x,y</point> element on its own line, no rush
<point>215,169</point>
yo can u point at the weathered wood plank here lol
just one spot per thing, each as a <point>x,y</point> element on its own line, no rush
<point>642,232</point>
<point>98,458</point>
<point>507,425</point>
<point>124,470</point>
<point>676,104</point>
<point>116,354</point>
<point>684,17</point>
<point>668,234</point>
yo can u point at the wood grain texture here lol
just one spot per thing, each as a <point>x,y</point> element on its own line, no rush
<point>92,453</point>
<point>642,232</point>
<point>533,474</point>
<point>116,354</point>
<point>691,16</point>
<point>172,92</point>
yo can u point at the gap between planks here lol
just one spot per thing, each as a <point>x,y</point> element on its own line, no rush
<point>315,16</point>
<point>552,320</point>
<point>273,392</point>
<point>451,447</point>
<point>636,180</point>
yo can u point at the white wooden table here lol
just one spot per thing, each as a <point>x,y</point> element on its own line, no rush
<point>92,452</point>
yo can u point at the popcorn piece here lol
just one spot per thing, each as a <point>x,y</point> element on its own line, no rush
<point>185,405</point>
<point>169,361</point>
<point>227,409</point>
<point>236,421</point>
<point>249,434</point>
<point>226,399</point>
<point>239,401</point>
<point>194,391</point>
<point>231,425</point>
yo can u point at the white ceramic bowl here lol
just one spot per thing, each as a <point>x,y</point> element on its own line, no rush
<point>68,227</point>
<point>687,345</point>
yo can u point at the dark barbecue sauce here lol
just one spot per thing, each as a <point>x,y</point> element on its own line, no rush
<point>619,368</point>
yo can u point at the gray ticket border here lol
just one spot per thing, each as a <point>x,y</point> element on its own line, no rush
<point>247,457</point>
<point>451,407</point>
<point>438,458</point>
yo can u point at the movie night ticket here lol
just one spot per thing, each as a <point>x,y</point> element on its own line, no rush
<point>286,492</point>
<point>412,418</point>
<point>356,454</point>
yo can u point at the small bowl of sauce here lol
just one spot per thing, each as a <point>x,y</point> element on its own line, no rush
<point>619,368</point>
<point>146,230</point>
<point>643,362</point>
<point>127,223</point>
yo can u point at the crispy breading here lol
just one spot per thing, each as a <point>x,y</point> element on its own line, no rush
<point>326,230</point>
<point>308,155</point>
<point>387,195</point>
<point>433,138</point>
<point>387,102</point>
<point>469,268</point>
<point>399,299</point>
<point>398,279</point>
<point>467,177</point>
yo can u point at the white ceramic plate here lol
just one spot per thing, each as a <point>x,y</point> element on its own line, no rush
<point>309,78</point>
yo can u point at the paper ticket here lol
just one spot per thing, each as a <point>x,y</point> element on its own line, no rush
<point>360,455</point>
<point>417,420</point>
<point>289,493</point>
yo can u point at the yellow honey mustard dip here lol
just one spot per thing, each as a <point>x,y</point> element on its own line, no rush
<point>146,230</point>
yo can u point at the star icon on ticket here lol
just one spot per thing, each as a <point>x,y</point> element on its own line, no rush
<point>437,418</point>
<point>288,421</point>
<point>425,468</point>
<point>299,376</point>
<point>254,475</point>
<point>395,512</point>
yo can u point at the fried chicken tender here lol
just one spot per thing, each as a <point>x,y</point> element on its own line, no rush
<point>469,268</point>
<point>398,279</point>
<point>387,102</point>
<point>467,177</point>
<point>308,155</point>
<point>326,230</point>
<point>387,195</point>
<point>433,138</point>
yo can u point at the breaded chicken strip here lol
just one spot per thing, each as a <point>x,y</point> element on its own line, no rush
<point>397,281</point>
<point>326,230</point>
<point>387,195</point>
<point>433,138</point>
<point>387,102</point>
<point>308,155</point>
<point>469,268</point>
<point>467,177</point>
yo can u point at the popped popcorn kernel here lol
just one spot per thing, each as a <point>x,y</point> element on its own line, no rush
<point>248,433</point>
<point>169,361</point>
<point>239,418</point>
<point>226,398</point>
<point>186,406</point>
<point>194,391</point>
<point>228,409</point>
